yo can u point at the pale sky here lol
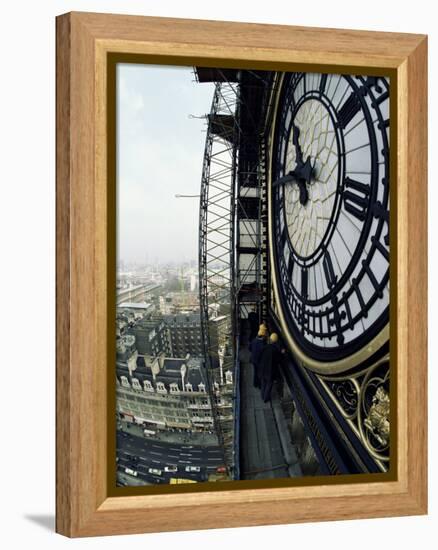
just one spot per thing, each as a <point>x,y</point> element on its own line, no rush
<point>159,154</point>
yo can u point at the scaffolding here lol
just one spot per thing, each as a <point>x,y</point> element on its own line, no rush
<point>216,260</point>
<point>251,203</point>
<point>232,233</point>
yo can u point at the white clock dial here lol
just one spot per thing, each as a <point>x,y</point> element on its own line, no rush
<point>330,208</point>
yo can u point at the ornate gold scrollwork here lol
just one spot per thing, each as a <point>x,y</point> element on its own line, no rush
<point>374,411</point>
<point>377,421</point>
<point>363,400</point>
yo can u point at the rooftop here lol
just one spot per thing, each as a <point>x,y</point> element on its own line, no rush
<point>134,305</point>
<point>180,318</point>
<point>170,372</point>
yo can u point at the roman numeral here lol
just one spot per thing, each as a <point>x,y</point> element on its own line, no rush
<point>372,278</point>
<point>290,266</point>
<point>349,110</point>
<point>304,319</point>
<point>304,283</point>
<point>282,239</point>
<point>322,83</point>
<point>362,304</point>
<point>336,321</point>
<point>356,203</point>
<point>384,251</point>
<point>328,270</point>
<point>348,310</point>
<point>383,214</point>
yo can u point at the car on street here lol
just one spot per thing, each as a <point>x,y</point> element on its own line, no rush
<point>155,471</point>
<point>193,469</point>
<point>171,468</point>
<point>131,472</point>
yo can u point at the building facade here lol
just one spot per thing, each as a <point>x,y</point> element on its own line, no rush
<point>152,336</point>
<point>185,334</point>
<point>163,393</point>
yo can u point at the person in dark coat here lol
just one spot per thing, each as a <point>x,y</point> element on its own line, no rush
<point>270,366</point>
<point>253,321</point>
<point>256,347</point>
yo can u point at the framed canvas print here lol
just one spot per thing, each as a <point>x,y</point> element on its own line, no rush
<point>241,274</point>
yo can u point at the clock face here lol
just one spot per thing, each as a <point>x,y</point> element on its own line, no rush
<point>329,200</point>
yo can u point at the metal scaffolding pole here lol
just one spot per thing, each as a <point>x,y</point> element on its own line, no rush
<point>216,261</point>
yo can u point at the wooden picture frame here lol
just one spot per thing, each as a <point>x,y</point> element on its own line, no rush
<point>85,506</point>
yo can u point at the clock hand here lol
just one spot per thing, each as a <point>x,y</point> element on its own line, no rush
<point>303,170</point>
<point>295,141</point>
<point>306,170</point>
<point>294,177</point>
<point>304,194</point>
<point>302,174</point>
<point>289,177</point>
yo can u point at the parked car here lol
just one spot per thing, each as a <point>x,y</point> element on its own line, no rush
<point>221,470</point>
<point>193,469</point>
<point>171,468</point>
<point>155,471</point>
<point>131,472</point>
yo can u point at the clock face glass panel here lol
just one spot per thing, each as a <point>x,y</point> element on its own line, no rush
<point>330,210</point>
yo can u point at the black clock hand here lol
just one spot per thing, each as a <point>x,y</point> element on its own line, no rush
<point>293,177</point>
<point>302,174</point>
<point>303,170</point>
<point>306,170</point>
<point>295,141</point>
<point>289,177</point>
<point>304,195</point>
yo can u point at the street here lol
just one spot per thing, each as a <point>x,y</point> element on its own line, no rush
<point>140,454</point>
